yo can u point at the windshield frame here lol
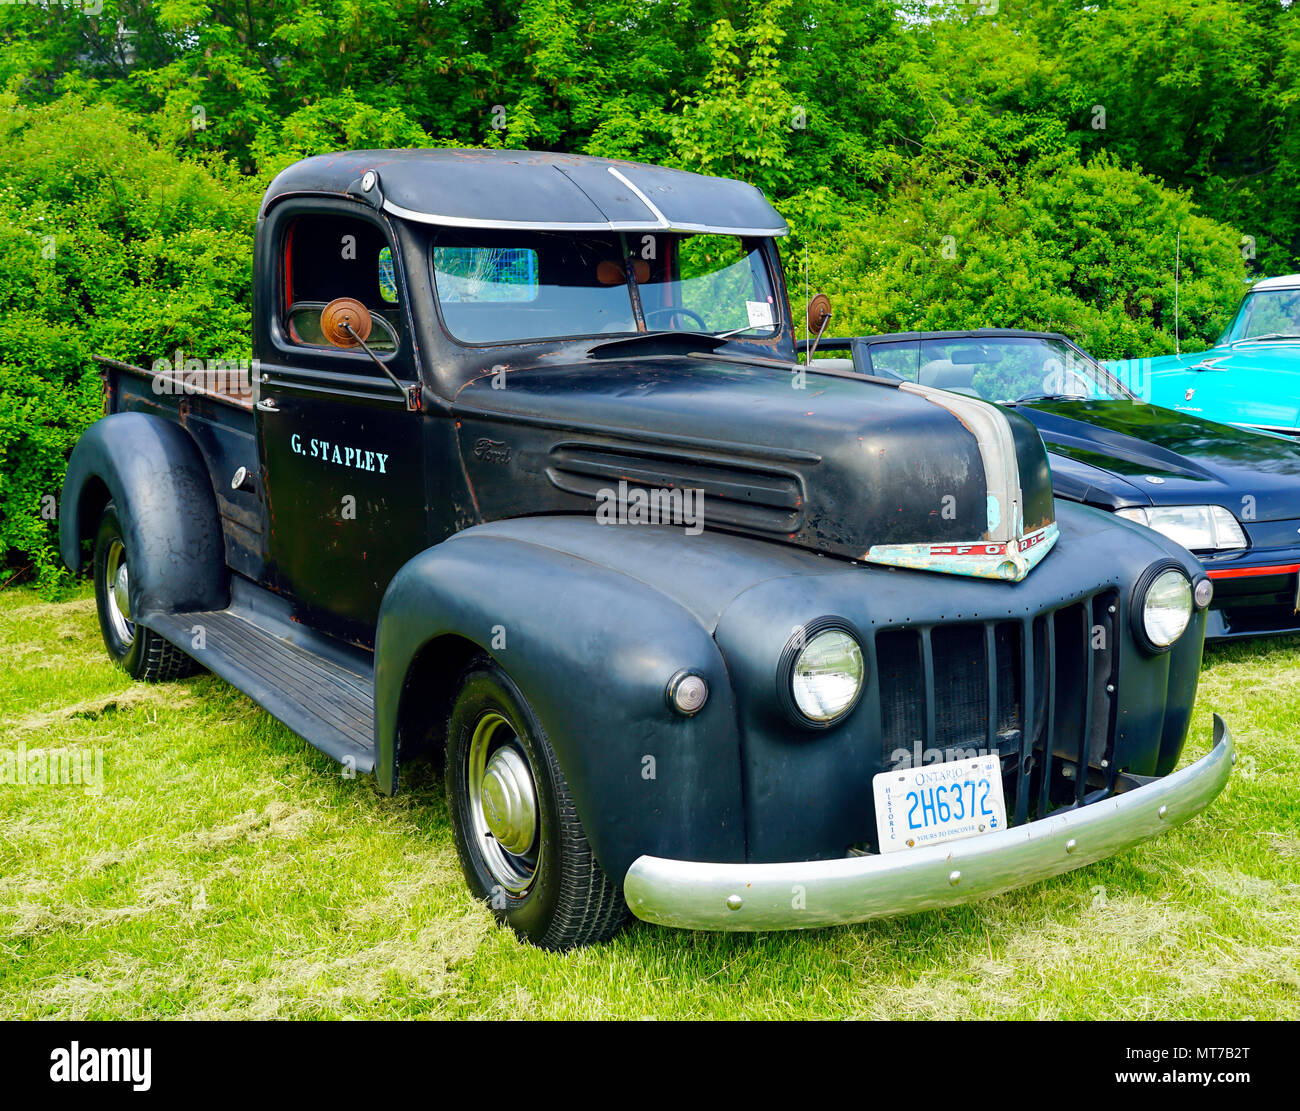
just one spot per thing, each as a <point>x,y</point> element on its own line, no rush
<point>1247,307</point>
<point>866,343</point>
<point>764,247</point>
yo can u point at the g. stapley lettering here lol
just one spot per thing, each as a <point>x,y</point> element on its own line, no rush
<point>358,458</point>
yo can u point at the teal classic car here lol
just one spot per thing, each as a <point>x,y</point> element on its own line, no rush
<point>1250,377</point>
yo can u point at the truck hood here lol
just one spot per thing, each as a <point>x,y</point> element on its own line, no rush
<point>907,475</point>
<point>1256,383</point>
<point>1196,461</point>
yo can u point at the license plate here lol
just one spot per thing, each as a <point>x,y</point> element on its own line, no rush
<point>939,802</point>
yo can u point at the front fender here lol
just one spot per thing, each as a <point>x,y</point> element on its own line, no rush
<point>593,650</point>
<point>154,472</point>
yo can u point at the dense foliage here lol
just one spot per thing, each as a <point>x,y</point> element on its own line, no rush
<point>1004,162</point>
<point>107,246</point>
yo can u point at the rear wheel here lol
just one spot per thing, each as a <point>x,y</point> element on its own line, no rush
<point>140,651</point>
<point>521,844</point>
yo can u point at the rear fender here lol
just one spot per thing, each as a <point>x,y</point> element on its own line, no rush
<point>153,471</point>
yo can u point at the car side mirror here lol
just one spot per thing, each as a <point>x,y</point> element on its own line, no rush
<point>819,314</point>
<point>345,321</point>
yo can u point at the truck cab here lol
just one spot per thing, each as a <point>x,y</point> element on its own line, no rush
<point>525,477</point>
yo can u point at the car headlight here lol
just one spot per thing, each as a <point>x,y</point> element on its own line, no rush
<point>826,675</point>
<point>1162,606</point>
<point>1196,527</point>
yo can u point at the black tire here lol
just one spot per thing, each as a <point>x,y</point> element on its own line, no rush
<point>568,901</point>
<point>140,651</point>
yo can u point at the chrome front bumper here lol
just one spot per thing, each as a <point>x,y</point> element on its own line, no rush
<point>804,894</point>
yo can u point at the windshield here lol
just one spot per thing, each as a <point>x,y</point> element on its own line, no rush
<point>1270,313</point>
<point>507,286</point>
<point>998,368</point>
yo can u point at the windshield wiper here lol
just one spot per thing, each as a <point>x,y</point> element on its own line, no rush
<point>1269,335</point>
<point>737,331</point>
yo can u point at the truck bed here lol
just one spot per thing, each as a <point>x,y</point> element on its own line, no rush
<point>230,389</point>
<point>321,689</point>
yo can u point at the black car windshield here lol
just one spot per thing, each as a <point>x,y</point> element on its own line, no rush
<point>506,286</point>
<point>998,368</point>
<point>1266,314</point>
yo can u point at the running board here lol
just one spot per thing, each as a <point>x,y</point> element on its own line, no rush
<point>327,702</point>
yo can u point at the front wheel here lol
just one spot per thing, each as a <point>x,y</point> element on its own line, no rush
<point>140,651</point>
<point>521,844</point>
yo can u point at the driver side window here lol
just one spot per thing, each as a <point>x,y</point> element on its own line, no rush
<point>325,257</point>
<point>898,360</point>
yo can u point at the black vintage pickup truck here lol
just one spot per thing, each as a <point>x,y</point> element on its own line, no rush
<point>526,478</point>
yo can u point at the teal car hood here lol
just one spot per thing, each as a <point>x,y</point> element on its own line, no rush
<point>1245,383</point>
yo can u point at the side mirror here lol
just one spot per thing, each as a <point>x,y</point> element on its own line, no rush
<point>819,314</point>
<point>349,311</point>
<point>346,322</point>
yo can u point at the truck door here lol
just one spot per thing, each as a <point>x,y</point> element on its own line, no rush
<point>341,454</point>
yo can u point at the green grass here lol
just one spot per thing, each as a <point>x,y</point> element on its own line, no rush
<point>228,869</point>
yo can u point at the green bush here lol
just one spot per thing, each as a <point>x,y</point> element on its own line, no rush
<point>109,246</point>
<point>1084,250</point>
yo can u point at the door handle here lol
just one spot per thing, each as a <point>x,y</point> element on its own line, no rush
<point>267,405</point>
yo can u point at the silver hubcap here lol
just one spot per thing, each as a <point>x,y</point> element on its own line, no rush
<point>508,801</point>
<point>503,803</point>
<point>118,581</point>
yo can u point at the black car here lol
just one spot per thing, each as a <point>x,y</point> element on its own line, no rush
<point>1229,495</point>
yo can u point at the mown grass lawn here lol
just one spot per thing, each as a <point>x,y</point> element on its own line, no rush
<point>228,869</point>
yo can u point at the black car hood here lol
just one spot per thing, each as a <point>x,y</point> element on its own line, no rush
<point>1197,461</point>
<point>841,466</point>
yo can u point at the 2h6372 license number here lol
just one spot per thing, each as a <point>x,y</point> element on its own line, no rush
<point>940,802</point>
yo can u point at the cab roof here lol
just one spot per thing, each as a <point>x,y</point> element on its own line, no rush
<point>533,190</point>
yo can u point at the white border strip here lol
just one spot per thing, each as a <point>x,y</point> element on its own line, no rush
<point>562,225</point>
<point>997,448</point>
<point>654,209</point>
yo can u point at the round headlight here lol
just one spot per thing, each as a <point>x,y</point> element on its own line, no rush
<point>826,678</point>
<point>1166,608</point>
